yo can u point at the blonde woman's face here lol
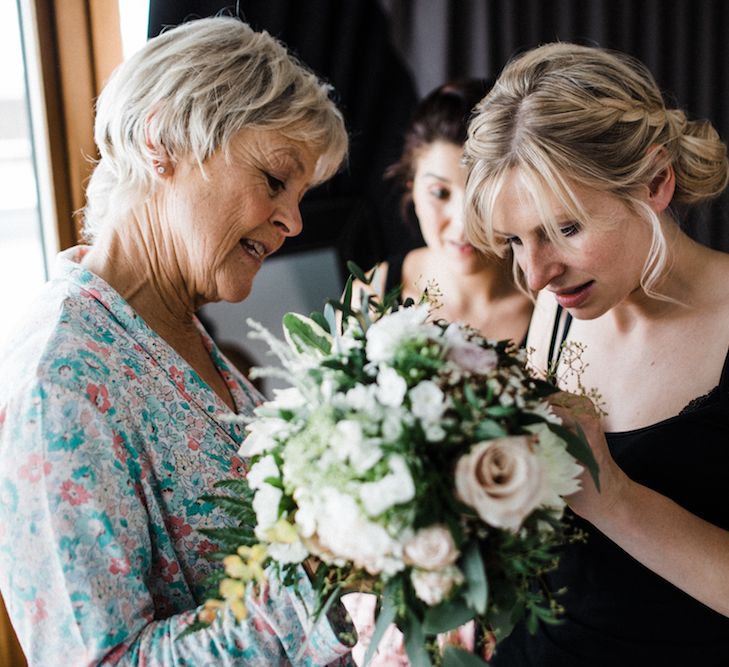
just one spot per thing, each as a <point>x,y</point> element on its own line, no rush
<point>438,196</point>
<point>601,261</point>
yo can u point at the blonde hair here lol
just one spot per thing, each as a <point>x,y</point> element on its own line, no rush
<point>564,114</point>
<point>189,91</point>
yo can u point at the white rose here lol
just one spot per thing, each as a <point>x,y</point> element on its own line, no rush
<point>502,479</point>
<point>434,432</point>
<point>386,334</point>
<point>433,586</point>
<point>562,471</point>
<point>427,401</point>
<point>259,471</point>
<point>265,505</point>
<point>391,387</point>
<point>431,548</point>
<point>260,435</point>
<point>394,488</point>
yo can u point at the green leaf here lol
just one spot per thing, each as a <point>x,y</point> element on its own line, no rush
<point>415,642</point>
<point>457,657</point>
<point>477,587</point>
<point>304,334</point>
<point>500,410</point>
<point>358,273</point>
<point>321,320</point>
<point>384,618</point>
<point>578,447</point>
<point>330,317</point>
<point>447,616</point>
<point>488,429</point>
<point>196,626</point>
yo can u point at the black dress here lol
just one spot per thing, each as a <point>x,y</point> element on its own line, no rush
<point>618,612</point>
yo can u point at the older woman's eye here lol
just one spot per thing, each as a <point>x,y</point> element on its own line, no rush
<point>274,183</point>
<point>570,230</point>
<point>512,240</point>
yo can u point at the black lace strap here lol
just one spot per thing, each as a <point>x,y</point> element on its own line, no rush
<point>724,381</point>
<point>553,347</point>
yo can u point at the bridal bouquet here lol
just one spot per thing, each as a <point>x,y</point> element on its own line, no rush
<point>411,458</point>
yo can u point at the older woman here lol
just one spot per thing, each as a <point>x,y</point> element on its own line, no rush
<point>576,165</point>
<point>114,400</point>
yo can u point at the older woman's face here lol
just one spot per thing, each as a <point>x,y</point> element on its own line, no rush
<point>217,227</point>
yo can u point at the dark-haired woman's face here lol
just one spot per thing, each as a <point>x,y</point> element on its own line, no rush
<point>438,196</point>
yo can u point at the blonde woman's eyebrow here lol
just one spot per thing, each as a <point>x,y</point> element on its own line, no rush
<point>439,178</point>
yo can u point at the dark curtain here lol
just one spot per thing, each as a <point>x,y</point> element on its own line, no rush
<point>382,56</point>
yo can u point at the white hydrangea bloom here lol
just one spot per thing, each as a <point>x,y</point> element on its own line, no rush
<point>265,505</point>
<point>259,471</point>
<point>427,401</point>
<point>391,387</point>
<point>349,444</point>
<point>287,399</point>
<point>261,435</point>
<point>385,336</point>
<point>393,489</point>
<point>288,553</point>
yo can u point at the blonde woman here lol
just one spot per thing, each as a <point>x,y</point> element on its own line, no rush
<point>576,165</point>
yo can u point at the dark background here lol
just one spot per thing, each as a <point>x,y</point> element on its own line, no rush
<point>381,56</point>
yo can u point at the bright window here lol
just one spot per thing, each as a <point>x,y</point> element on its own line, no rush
<point>22,260</point>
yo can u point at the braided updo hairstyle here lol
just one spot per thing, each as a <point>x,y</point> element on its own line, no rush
<point>566,114</point>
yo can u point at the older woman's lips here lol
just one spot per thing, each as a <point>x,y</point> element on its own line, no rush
<point>462,248</point>
<point>574,297</point>
<point>254,248</point>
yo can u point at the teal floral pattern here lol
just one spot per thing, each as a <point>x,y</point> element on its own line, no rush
<point>107,440</point>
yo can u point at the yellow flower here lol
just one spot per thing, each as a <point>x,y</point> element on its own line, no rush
<point>232,589</point>
<point>282,531</point>
<point>239,609</point>
<point>236,568</point>
<point>209,612</point>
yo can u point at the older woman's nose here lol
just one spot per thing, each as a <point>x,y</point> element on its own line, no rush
<point>289,220</point>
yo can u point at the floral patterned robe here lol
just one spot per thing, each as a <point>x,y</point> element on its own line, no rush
<point>107,440</point>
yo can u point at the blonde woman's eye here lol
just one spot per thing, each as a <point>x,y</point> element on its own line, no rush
<point>570,230</point>
<point>512,240</point>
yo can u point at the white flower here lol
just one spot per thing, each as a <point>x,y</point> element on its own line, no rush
<point>345,533</point>
<point>544,410</point>
<point>434,432</point>
<point>288,553</point>
<point>259,471</point>
<point>391,387</point>
<point>431,548</point>
<point>562,471</point>
<point>427,401</point>
<point>346,342</point>
<point>362,399</point>
<point>265,505</point>
<point>433,586</point>
<point>502,479</point>
<point>468,355</point>
<point>386,334</point>
<point>394,488</point>
<point>349,444</point>
<point>392,424</point>
<point>287,399</point>
<point>261,434</point>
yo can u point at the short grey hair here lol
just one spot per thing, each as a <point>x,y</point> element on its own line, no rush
<point>189,91</point>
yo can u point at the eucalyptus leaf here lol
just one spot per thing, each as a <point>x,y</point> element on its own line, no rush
<point>384,619</point>
<point>357,272</point>
<point>447,616</point>
<point>415,642</point>
<point>477,587</point>
<point>456,657</point>
<point>330,317</point>
<point>488,429</point>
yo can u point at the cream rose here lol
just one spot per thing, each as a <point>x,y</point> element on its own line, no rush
<point>502,479</point>
<point>431,548</point>
<point>433,587</point>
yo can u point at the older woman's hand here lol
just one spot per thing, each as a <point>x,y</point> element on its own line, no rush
<point>578,413</point>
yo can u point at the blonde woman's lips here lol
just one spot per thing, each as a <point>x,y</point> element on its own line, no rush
<point>574,297</point>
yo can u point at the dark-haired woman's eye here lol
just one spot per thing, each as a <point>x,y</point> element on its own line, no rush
<point>276,184</point>
<point>441,194</point>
